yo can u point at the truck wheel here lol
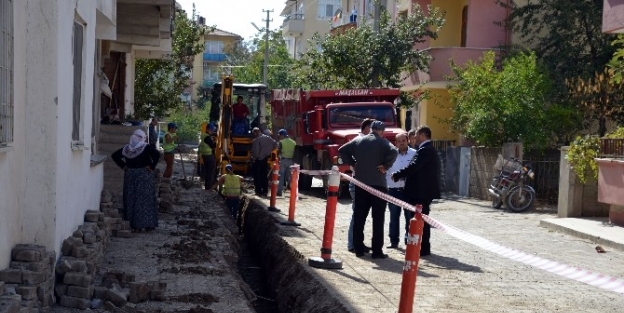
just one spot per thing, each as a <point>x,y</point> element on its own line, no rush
<point>305,182</point>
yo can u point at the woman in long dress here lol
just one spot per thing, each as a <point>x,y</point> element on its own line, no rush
<point>138,160</point>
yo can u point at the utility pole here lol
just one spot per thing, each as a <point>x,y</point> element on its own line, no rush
<point>265,71</point>
<point>376,21</point>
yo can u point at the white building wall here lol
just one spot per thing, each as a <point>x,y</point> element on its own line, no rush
<point>49,185</point>
<point>12,160</point>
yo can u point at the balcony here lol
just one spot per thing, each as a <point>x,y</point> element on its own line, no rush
<point>293,25</point>
<point>440,68</point>
<point>214,57</point>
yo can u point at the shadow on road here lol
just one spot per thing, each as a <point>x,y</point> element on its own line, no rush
<point>436,260</point>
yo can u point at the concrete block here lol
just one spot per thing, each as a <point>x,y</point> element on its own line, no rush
<point>1,288</point>
<point>99,235</point>
<point>33,278</point>
<point>80,292</point>
<point>79,266</point>
<point>77,303</point>
<point>60,290</point>
<point>11,275</point>
<point>118,297</point>
<point>157,295</point>
<point>139,291</point>
<point>27,292</point>
<point>80,252</point>
<point>77,279</point>
<point>88,238</point>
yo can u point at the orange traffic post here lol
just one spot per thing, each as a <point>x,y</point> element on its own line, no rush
<point>326,261</point>
<point>410,268</point>
<point>294,195</point>
<point>274,183</point>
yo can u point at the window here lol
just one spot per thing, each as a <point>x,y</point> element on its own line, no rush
<point>328,8</point>
<point>214,47</point>
<point>403,15</point>
<point>6,72</point>
<point>77,97</point>
<point>464,26</point>
<point>353,116</point>
<point>211,73</point>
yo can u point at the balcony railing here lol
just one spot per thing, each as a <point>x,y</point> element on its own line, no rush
<point>611,148</point>
<point>439,66</point>
<point>293,25</point>
<point>294,16</point>
<point>214,57</point>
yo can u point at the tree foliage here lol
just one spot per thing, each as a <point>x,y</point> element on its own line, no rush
<point>362,57</point>
<point>160,82</point>
<point>565,35</point>
<point>247,59</point>
<point>493,106</point>
<point>600,97</point>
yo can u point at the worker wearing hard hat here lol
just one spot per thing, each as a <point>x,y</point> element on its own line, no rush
<point>286,147</point>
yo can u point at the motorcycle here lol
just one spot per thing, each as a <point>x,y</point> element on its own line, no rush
<point>510,186</point>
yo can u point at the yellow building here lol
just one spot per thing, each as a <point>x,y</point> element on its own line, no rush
<point>304,18</point>
<point>468,32</point>
<point>208,65</point>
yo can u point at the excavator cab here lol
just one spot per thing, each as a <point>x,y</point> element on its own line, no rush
<point>234,136</point>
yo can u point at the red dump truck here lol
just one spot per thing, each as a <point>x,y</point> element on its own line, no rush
<point>320,121</point>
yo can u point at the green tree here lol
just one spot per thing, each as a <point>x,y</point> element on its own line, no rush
<point>566,35</point>
<point>363,57</point>
<point>494,106</point>
<point>247,59</point>
<point>160,82</point>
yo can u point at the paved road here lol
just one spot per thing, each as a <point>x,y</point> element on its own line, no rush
<point>459,277</point>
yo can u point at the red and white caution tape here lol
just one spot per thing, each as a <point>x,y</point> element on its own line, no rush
<point>316,172</point>
<point>588,277</point>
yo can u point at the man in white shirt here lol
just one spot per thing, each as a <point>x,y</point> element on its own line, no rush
<point>395,189</point>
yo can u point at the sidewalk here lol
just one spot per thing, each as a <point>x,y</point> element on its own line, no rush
<point>457,277</point>
<point>595,229</point>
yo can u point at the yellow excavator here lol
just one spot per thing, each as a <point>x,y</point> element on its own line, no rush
<point>234,136</point>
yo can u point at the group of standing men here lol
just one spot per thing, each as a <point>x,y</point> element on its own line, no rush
<point>409,171</point>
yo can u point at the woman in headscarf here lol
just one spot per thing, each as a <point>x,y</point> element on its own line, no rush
<point>138,159</point>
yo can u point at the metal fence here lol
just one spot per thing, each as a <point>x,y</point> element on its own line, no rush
<point>545,165</point>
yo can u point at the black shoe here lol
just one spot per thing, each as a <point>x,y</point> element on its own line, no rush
<point>393,246</point>
<point>359,254</point>
<point>352,250</point>
<point>425,253</point>
<point>380,256</point>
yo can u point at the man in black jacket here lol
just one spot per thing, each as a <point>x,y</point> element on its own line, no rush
<point>371,156</point>
<point>422,182</point>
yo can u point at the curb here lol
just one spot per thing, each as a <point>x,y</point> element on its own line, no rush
<point>580,234</point>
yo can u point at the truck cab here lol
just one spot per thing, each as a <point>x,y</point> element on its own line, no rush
<point>320,121</point>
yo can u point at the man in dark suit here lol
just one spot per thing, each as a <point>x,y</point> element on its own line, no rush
<point>422,182</point>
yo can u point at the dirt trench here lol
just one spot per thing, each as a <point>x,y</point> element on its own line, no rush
<point>295,289</point>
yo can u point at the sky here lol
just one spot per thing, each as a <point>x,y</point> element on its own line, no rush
<point>235,16</point>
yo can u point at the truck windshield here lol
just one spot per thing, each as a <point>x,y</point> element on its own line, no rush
<point>352,116</point>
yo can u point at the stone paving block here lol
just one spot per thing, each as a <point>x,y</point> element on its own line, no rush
<point>69,244</point>
<point>11,275</point>
<point>139,291</point>
<point>39,266</point>
<point>77,303</point>
<point>60,290</point>
<point>8,305</point>
<point>118,297</point>
<point>80,252</point>
<point>27,292</point>
<point>33,278</point>
<point>89,238</point>
<point>1,288</point>
<point>77,279</point>
<point>16,252</point>
<point>80,292</point>
<point>78,234</point>
<point>100,292</point>
<point>124,233</point>
<point>91,217</point>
